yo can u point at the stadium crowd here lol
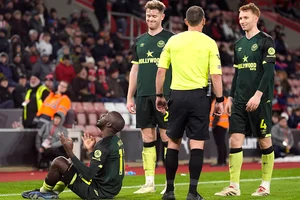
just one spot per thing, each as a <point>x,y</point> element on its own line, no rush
<point>35,43</point>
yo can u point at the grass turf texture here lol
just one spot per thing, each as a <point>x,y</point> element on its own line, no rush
<point>211,182</point>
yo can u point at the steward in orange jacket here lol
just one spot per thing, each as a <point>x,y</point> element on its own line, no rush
<point>56,102</point>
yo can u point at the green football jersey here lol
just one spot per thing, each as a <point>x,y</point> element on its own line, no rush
<point>251,57</point>
<point>110,152</point>
<point>146,53</point>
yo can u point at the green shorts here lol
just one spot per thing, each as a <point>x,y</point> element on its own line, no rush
<point>146,114</point>
<point>256,124</point>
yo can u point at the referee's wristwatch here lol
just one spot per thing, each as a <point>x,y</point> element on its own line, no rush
<point>220,99</point>
<point>160,95</point>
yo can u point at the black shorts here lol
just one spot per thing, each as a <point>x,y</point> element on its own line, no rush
<point>85,189</point>
<point>256,124</point>
<point>189,111</point>
<point>146,114</point>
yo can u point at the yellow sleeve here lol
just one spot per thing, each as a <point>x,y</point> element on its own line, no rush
<point>214,59</point>
<point>165,56</point>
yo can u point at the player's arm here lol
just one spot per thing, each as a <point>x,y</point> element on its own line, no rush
<point>233,84</point>
<point>163,66</point>
<point>215,70</point>
<point>133,73</point>
<point>99,157</point>
<point>269,58</point>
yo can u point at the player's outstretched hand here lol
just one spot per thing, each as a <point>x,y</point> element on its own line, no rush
<point>131,106</point>
<point>66,142</point>
<point>161,104</point>
<point>88,141</point>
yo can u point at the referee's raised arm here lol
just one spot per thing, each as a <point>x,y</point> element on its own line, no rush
<point>194,57</point>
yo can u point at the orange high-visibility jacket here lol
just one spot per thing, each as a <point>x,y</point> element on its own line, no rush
<point>224,120</point>
<point>55,103</point>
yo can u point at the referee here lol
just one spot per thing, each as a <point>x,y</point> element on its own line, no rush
<point>193,56</point>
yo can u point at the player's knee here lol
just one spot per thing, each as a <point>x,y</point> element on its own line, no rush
<point>236,141</point>
<point>61,163</point>
<point>148,135</point>
<point>265,143</point>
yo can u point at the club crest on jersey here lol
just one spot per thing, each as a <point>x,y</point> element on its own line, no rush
<point>254,47</point>
<point>97,153</point>
<point>161,43</point>
<point>271,51</point>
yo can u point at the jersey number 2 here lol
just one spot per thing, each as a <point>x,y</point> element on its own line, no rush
<point>121,162</point>
<point>166,116</point>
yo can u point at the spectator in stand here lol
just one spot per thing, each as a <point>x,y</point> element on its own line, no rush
<point>45,46</point>
<point>6,70</point>
<point>25,27</point>
<point>16,23</point>
<point>282,139</point>
<point>104,92</point>
<point>85,22</point>
<point>113,81</point>
<point>31,53</point>
<point>80,86</point>
<point>33,101</point>
<point>119,64</point>
<point>100,9</point>
<point>42,67</point>
<point>19,92</point>
<point>36,22</point>
<point>47,141</point>
<point>6,100</point>
<point>125,82</point>
<point>101,49</point>
<point>57,102</point>
<point>226,59</point>
<point>64,71</point>
<point>294,119</point>
<point>280,44</point>
<point>275,118</point>
<point>33,37</point>
<point>4,44</point>
<point>17,68</point>
<point>64,50</point>
<point>3,23</point>
<point>49,82</point>
<point>75,56</point>
<point>92,85</point>
<point>90,62</point>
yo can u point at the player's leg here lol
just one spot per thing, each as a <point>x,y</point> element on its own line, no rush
<point>177,121</point>
<point>239,124</point>
<point>197,130</point>
<point>52,184</point>
<point>145,120</point>
<point>261,122</point>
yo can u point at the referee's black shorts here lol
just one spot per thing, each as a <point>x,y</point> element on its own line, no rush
<point>189,111</point>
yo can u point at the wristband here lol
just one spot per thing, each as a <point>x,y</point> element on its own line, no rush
<point>220,99</point>
<point>160,95</point>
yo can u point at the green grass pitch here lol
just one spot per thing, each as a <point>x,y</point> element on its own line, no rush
<point>285,185</point>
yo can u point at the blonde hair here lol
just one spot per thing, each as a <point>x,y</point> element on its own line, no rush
<point>155,4</point>
<point>252,7</point>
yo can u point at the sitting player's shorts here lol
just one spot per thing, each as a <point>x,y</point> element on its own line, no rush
<point>146,114</point>
<point>256,124</point>
<point>85,189</point>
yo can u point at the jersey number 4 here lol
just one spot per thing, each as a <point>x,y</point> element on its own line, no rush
<point>263,124</point>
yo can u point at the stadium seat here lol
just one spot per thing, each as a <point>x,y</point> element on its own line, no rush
<point>93,118</point>
<point>88,107</point>
<point>81,119</point>
<point>110,106</point>
<point>121,108</point>
<point>77,107</point>
<point>93,130</point>
<point>99,107</point>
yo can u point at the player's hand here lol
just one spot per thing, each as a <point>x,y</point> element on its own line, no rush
<point>161,104</point>
<point>67,143</point>
<point>228,106</point>
<point>131,106</point>
<point>253,103</point>
<point>88,141</point>
<point>219,109</point>
<point>41,150</point>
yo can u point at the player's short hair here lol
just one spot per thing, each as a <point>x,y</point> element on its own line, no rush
<point>117,121</point>
<point>155,4</point>
<point>194,15</point>
<point>252,7</point>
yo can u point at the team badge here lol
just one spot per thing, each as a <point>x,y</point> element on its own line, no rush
<point>97,153</point>
<point>160,43</point>
<point>254,47</point>
<point>271,51</point>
